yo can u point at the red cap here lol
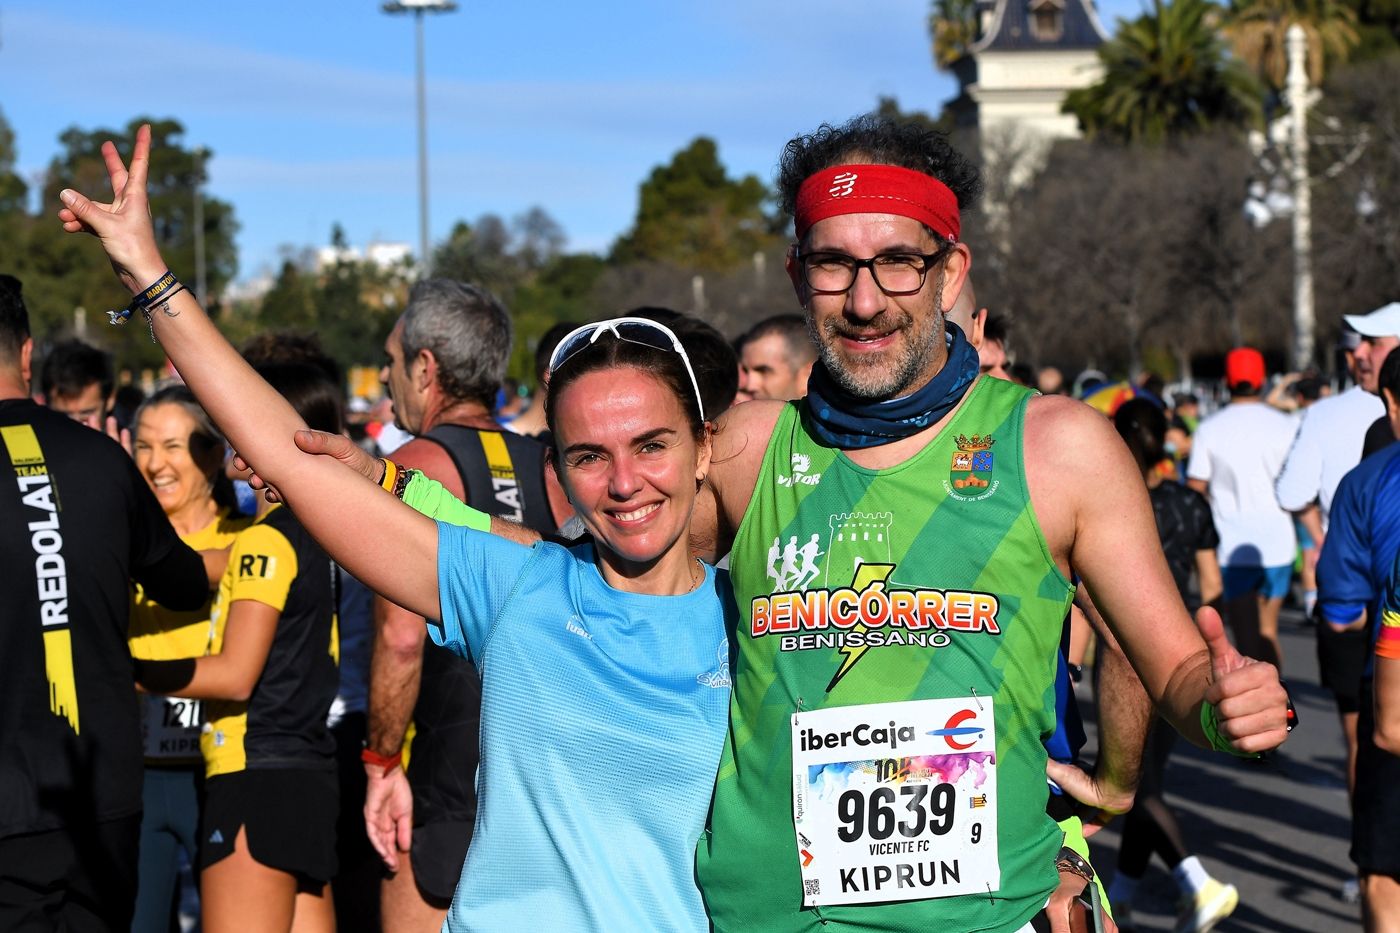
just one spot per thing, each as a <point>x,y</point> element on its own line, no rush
<point>1244,364</point>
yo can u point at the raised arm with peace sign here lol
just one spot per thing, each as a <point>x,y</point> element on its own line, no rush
<point>338,506</point>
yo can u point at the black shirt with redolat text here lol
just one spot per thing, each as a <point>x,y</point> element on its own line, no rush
<point>77,525</point>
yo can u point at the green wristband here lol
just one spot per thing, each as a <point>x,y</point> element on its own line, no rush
<point>475,520</point>
<point>431,498</point>
<point>1210,725</point>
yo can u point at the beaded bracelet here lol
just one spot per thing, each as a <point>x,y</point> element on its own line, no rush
<point>401,482</point>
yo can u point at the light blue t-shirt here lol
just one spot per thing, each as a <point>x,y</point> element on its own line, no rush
<point>602,717</point>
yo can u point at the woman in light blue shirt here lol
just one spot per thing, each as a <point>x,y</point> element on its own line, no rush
<point>605,666</point>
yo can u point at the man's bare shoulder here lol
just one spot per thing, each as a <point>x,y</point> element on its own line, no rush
<point>1070,445</point>
<point>740,440</point>
<point>435,462</point>
<point>742,432</point>
<point>1061,419</point>
<point>1080,475</point>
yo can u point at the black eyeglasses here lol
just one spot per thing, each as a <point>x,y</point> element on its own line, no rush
<point>829,273</point>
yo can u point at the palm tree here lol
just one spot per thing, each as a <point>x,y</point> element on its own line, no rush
<point>953,26</point>
<point>1166,74</point>
<point>1257,30</point>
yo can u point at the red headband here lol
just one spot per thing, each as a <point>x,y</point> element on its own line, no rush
<point>877,189</point>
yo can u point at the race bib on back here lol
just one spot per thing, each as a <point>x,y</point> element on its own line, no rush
<point>171,728</point>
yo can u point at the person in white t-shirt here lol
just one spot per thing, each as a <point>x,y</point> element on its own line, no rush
<point>1236,456</point>
<point>1329,442</point>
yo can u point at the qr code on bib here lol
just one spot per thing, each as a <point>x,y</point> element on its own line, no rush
<point>812,887</point>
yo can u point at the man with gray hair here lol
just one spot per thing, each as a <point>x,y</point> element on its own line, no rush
<point>444,361</point>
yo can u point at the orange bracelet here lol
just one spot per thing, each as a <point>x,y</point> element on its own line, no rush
<point>391,474</point>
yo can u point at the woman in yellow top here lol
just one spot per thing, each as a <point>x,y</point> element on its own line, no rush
<point>266,668</point>
<point>181,454</point>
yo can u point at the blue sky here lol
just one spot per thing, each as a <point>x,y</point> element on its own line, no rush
<point>308,104</point>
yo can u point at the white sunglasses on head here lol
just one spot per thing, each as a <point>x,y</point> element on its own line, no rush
<point>638,330</point>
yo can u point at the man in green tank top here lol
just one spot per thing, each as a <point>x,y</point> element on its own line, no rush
<point>902,542</point>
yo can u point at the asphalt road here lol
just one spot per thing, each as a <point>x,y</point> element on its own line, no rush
<point>1278,830</point>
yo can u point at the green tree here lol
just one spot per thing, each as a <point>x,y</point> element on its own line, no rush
<point>65,272</point>
<point>480,253</point>
<point>536,238</point>
<point>1258,31</point>
<point>1377,28</point>
<point>291,302</point>
<point>13,190</point>
<point>175,171</point>
<point>1355,167</point>
<point>1166,74</point>
<point>888,107</point>
<point>350,304</point>
<point>357,302</point>
<point>561,291</point>
<point>14,221</point>
<point>523,263</point>
<point>692,214</point>
<point>952,25</point>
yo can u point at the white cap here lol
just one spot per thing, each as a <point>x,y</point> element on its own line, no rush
<point>1382,322</point>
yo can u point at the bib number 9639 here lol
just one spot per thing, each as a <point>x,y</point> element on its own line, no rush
<point>895,801</point>
<point>882,812</point>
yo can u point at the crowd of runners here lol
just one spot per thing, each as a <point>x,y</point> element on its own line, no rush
<point>776,631</point>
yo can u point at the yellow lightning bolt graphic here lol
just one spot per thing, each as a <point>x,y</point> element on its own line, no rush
<point>866,576</point>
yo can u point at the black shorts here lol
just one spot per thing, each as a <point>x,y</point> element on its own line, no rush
<point>439,851</point>
<point>289,817</point>
<point>80,878</point>
<point>1341,661</point>
<point>1375,822</point>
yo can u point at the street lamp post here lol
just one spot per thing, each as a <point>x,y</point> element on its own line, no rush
<point>1303,317</point>
<point>418,8</point>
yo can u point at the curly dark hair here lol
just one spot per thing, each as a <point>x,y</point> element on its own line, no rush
<point>877,140</point>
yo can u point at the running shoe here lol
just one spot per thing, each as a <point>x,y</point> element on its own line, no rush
<point>1213,903</point>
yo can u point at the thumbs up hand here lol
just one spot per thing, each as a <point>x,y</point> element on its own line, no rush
<point>1223,656</point>
<point>1250,703</point>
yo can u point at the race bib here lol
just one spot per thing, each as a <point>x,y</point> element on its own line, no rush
<point>171,729</point>
<point>895,801</point>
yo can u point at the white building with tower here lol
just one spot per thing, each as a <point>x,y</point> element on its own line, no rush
<point>1028,55</point>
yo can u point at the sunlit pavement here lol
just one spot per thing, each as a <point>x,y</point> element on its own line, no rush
<point>1277,830</point>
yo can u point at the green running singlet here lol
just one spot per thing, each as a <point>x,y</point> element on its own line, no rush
<point>929,581</point>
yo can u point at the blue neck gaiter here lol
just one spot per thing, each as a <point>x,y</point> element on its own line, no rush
<point>839,419</point>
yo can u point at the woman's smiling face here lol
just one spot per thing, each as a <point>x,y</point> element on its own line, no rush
<point>181,475</point>
<point>630,465</point>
